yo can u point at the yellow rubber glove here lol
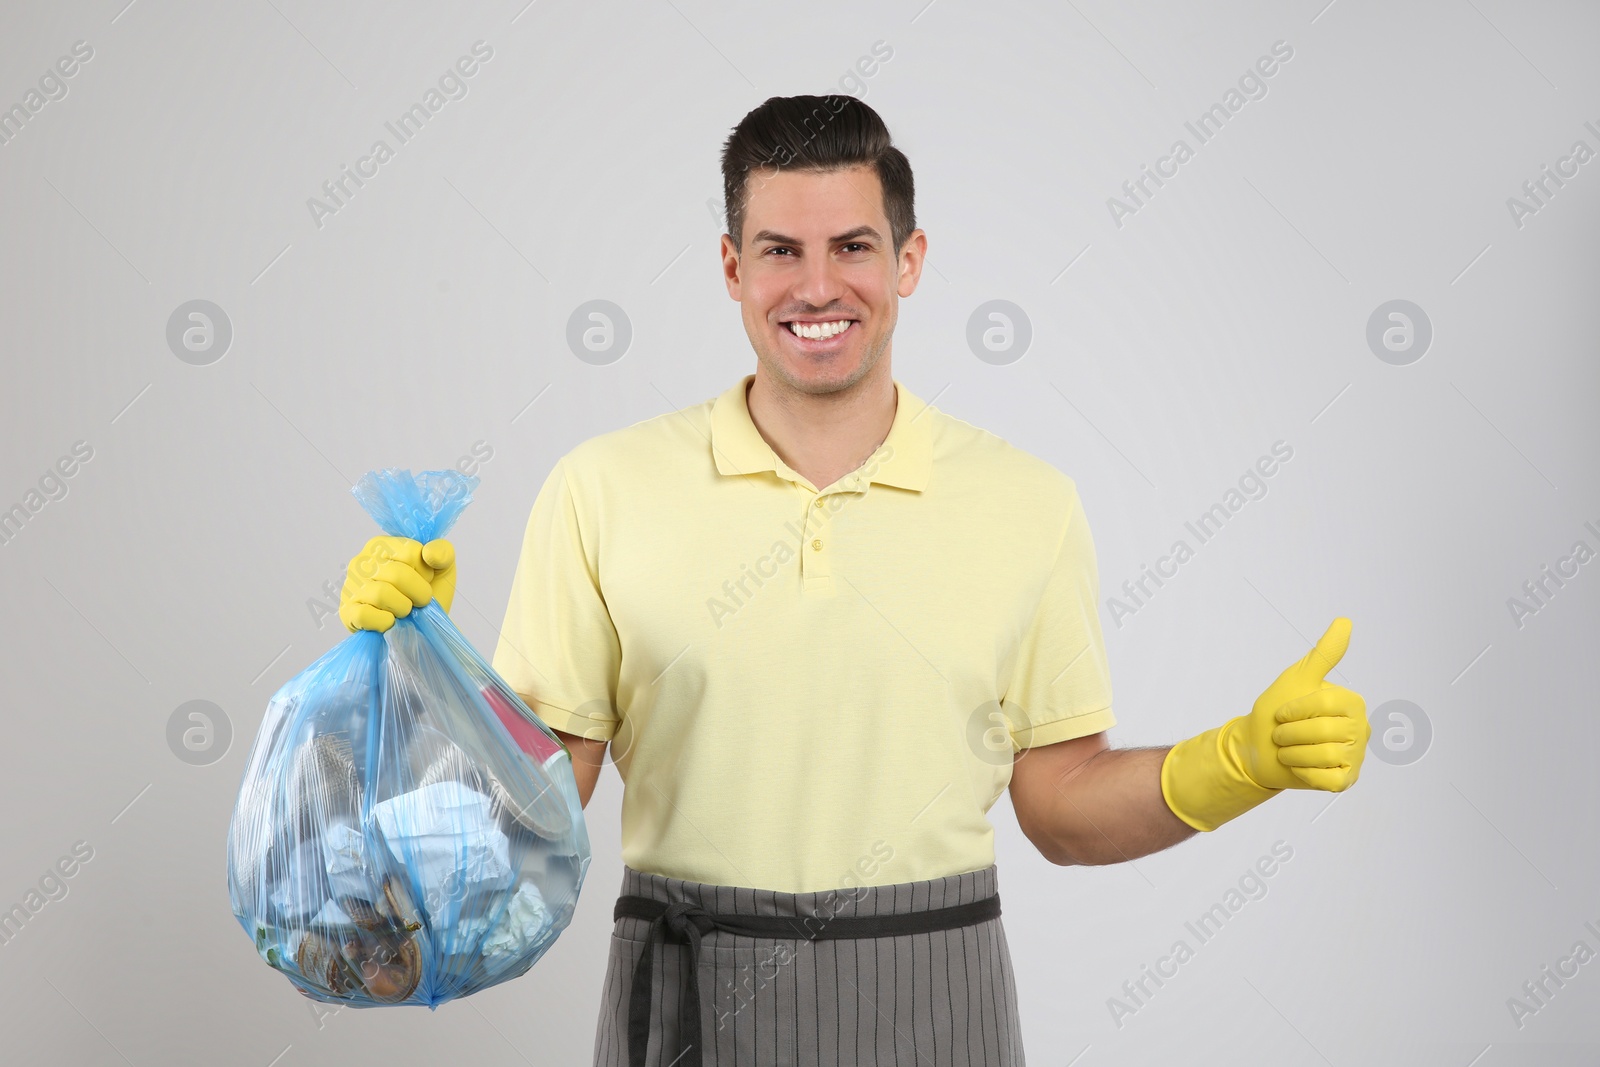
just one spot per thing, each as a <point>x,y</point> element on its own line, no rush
<point>1302,733</point>
<point>390,576</point>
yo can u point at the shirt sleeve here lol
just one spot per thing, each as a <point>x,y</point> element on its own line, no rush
<point>1060,687</point>
<point>558,648</point>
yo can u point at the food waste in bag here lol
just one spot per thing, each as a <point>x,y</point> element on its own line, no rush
<point>407,830</point>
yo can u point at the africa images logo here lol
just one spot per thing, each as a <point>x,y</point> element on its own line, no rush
<point>452,85</point>
<point>1252,85</point>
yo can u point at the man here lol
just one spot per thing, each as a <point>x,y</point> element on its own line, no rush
<point>821,626</point>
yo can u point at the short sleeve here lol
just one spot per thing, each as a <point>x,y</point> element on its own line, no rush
<point>558,648</point>
<point>1060,687</point>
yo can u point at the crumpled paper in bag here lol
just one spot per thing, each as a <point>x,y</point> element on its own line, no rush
<point>447,835</point>
<point>524,921</point>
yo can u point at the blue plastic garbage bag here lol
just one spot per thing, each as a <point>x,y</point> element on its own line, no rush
<point>407,830</point>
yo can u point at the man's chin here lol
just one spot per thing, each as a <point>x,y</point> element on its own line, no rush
<point>816,376</point>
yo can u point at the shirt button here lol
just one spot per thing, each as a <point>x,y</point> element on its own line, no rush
<point>819,501</point>
<point>817,545</point>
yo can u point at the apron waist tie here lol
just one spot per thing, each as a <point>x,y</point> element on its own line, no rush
<point>687,923</point>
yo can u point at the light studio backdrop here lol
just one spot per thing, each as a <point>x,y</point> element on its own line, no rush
<point>1369,270</point>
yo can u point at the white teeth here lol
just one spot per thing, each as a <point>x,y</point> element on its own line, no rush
<point>819,330</point>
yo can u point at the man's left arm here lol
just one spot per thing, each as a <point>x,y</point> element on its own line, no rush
<point>1082,802</point>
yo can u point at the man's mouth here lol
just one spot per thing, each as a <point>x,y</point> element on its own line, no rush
<point>818,333</point>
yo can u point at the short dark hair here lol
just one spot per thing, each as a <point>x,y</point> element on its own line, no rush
<point>816,133</point>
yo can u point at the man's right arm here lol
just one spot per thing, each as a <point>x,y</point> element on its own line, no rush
<point>558,642</point>
<point>587,758</point>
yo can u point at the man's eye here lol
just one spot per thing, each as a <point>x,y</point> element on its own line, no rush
<point>857,244</point>
<point>777,248</point>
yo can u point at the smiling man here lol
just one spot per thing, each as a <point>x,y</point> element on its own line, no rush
<point>822,626</point>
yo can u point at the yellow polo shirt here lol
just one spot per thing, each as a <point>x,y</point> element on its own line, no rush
<point>804,689</point>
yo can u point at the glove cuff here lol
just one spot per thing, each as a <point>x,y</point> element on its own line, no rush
<point>1203,782</point>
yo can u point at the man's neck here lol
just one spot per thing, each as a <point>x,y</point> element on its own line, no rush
<point>824,436</point>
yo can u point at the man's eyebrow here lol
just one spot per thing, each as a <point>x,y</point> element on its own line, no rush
<point>778,238</point>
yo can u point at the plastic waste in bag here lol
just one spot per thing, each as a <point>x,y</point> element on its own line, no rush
<point>407,830</point>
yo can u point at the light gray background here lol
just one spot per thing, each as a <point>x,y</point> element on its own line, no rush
<point>1228,313</point>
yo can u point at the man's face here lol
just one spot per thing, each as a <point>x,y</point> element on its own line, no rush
<point>818,252</point>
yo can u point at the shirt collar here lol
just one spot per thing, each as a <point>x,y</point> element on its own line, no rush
<point>905,459</point>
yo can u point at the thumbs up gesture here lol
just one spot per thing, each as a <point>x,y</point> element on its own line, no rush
<point>1303,732</point>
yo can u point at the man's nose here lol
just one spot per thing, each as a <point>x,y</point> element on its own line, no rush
<point>821,282</point>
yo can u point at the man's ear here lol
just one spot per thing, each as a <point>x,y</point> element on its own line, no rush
<point>731,264</point>
<point>913,254</point>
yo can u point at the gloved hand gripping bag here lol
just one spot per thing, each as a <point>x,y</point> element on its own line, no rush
<point>407,830</point>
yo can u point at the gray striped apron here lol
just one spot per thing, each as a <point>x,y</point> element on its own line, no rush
<point>911,974</point>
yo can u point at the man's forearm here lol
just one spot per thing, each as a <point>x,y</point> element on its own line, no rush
<point>1109,809</point>
<point>587,758</point>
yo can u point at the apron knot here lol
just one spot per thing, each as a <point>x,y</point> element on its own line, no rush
<point>686,922</point>
<point>683,923</point>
